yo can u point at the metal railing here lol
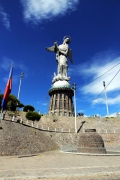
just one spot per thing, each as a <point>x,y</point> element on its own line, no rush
<point>57,129</point>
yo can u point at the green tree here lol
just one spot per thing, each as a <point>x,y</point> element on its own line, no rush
<point>20,105</point>
<point>33,116</point>
<point>28,108</point>
<point>13,103</point>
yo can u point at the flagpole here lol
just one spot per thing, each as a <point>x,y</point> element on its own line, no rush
<point>21,76</point>
<point>10,70</point>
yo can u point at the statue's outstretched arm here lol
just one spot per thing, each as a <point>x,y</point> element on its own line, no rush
<point>70,55</point>
<point>53,48</point>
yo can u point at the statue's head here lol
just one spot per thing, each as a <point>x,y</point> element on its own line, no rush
<point>67,39</point>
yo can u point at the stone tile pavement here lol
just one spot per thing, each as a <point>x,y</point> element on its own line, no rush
<point>58,165</point>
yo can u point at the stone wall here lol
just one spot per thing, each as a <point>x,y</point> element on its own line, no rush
<point>19,139</point>
<point>111,140</point>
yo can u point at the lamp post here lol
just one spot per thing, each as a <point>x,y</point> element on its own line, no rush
<point>21,76</point>
<point>106,98</point>
<point>74,88</point>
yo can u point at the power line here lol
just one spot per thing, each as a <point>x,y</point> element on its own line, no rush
<point>102,91</point>
<point>102,74</point>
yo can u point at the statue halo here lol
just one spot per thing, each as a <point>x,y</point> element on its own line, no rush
<point>65,37</point>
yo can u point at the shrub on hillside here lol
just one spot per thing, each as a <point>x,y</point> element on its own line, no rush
<point>28,108</point>
<point>33,116</point>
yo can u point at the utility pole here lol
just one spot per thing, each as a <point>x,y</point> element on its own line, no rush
<point>74,88</point>
<point>106,98</point>
<point>21,76</point>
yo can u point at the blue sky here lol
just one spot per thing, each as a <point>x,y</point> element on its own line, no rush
<point>27,27</point>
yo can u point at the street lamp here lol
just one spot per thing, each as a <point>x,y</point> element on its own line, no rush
<point>21,76</point>
<point>74,88</point>
<point>106,98</point>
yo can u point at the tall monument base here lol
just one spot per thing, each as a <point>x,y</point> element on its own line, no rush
<point>61,103</point>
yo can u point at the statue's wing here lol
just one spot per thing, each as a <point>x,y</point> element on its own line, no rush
<point>51,49</point>
<point>70,55</point>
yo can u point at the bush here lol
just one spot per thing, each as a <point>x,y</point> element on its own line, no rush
<point>33,116</point>
<point>13,103</point>
<point>28,108</point>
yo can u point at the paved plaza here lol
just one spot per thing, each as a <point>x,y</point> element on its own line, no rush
<point>58,165</point>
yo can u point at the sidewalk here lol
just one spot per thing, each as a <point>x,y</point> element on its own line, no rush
<point>58,165</point>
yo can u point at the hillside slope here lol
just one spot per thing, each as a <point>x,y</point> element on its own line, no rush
<point>16,139</point>
<point>67,123</point>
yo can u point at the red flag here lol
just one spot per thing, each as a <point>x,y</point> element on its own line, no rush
<point>7,90</point>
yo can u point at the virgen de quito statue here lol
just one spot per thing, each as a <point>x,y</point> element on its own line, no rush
<point>61,93</point>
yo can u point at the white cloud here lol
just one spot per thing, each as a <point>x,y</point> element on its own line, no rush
<point>38,102</point>
<point>95,68</point>
<point>5,79</point>
<point>115,114</point>
<point>6,63</point>
<point>43,104</point>
<point>4,18</point>
<point>15,79</point>
<point>111,101</point>
<point>38,10</point>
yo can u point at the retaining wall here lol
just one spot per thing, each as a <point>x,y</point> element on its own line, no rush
<point>19,139</point>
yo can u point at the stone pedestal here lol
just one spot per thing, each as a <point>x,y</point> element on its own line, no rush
<point>61,103</point>
<point>91,142</point>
